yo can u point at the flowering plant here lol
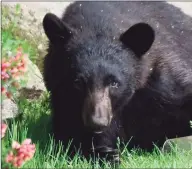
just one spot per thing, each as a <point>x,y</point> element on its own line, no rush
<point>19,153</point>
<point>13,68</point>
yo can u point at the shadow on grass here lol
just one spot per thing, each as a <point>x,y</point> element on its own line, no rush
<point>40,130</point>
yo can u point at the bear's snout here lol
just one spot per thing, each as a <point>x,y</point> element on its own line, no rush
<point>97,112</point>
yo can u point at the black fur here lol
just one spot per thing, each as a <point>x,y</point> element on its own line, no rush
<point>155,94</point>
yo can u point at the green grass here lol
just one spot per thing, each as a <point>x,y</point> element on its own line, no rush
<point>34,122</point>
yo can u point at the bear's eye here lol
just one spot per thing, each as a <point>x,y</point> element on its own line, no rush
<point>78,83</point>
<point>114,84</point>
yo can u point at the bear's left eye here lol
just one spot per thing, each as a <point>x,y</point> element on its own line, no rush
<point>112,81</point>
<point>114,84</point>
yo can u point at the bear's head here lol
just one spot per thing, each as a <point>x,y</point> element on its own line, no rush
<point>103,70</point>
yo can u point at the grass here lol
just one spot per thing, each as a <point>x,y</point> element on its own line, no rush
<point>34,122</point>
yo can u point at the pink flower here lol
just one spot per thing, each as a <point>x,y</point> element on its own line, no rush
<point>23,68</point>
<point>23,153</point>
<point>16,76</point>
<point>27,141</point>
<point>3,90</point>
<point>9,157</point>
<point>19,64</point>
<point>4,75</point>
<point>14,70</point>
<point>15,145</point>
<point>3,129</point>
<point>18,56</point>
<point>5,65</point>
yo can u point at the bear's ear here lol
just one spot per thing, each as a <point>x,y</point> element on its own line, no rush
<point>55,29</point>
<point>139,38</point>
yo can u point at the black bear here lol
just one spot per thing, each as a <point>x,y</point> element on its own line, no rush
<point>119,70</point>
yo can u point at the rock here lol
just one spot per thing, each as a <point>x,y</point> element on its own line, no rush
<point>9,109</point>
<point>35,79</point>
<point>185,7</point>
<point>35,85</point>
<point>182,143</point>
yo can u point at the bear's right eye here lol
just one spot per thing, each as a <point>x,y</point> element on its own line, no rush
<point>78,83</point>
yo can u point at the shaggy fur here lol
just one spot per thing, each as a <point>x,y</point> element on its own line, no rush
<point>153,68</point>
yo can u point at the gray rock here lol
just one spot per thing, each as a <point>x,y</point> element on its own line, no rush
<point>185,7</point>
<point>182,143</point>
<point>35,79</point>
<point>35,84</point>
<point>9,109</point>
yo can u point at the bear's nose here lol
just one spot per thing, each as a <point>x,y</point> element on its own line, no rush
<point>97,122</point>
<point>97,112</point>
<point>100,117</point>
<point>101,121</point>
